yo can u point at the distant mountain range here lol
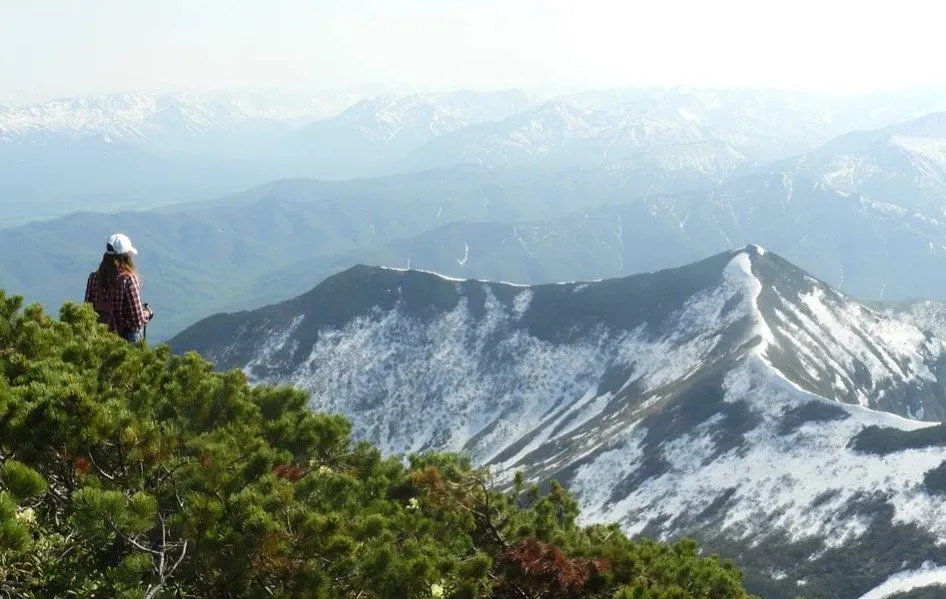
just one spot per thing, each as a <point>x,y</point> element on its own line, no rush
<point>737,399</point>
<point>871,249</point>
<point>676,130</point>
<point>903,164</point>
<point>128,150</point>
<point>521,225</point>
<point>125,150</point>
<point>140,117</point>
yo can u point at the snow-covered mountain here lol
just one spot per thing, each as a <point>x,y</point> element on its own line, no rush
<point>762,123</point>
<point>122,150</point>
<point>560,134</point>
<point>737,400</point>
<point>147,117</point>
<point>481,107</point>
<point>903,164</point>
<point>742,126</point>
<point>373,133</point>
<point>189,146</point>
<point>143,117</point>
<point>204,144</point>
<point>709,133</point>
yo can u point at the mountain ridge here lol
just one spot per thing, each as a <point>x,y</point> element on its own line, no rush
<point>137,117</point>
<point>201,145</point>
<point>768,305</point>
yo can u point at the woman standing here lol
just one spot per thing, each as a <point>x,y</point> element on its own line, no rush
<point>115,291</point>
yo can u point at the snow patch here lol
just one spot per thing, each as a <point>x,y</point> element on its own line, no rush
<point>273,344</point>
<point>886,347</point>
<point>741,268</point>
<point>522,302</point>
<point>932,149</point>
<point>904,582</point>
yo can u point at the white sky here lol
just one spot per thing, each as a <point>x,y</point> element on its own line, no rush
<point>76,47</point>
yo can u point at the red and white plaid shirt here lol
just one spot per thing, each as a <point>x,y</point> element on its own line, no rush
<point>127,311</point>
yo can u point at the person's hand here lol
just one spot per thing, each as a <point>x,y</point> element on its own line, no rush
<point>148,311</point>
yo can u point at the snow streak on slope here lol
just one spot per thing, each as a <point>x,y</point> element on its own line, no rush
<point>904,582</point>
<point>929,315</point>
<point>273,344</point>
<point>932,149</point>
<point>849,352</point>
<point>855,334</point>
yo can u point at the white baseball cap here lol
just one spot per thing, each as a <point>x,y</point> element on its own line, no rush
<point>119,244</point>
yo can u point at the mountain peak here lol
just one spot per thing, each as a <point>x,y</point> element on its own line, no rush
<point>754,250</point>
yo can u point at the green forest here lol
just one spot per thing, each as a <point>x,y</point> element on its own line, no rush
<point>128,471</point>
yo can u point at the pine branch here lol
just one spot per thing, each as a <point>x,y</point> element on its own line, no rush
<point>99,469</point>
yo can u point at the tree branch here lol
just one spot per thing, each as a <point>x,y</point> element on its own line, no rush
<point>100,471</point>
<point>163,573</point>
<point>179,559</point>
<point>136,544</point>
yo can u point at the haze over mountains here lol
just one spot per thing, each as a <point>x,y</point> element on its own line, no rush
<point>128,151</point>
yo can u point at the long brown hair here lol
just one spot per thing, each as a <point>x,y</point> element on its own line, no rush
<point>111,266</point>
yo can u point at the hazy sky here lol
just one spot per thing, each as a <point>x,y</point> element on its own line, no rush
<point>75,47</point>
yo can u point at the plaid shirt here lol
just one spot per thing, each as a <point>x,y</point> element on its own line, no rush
<point>127,311</point>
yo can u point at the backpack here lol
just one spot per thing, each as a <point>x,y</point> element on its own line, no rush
<point>103,305</point>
